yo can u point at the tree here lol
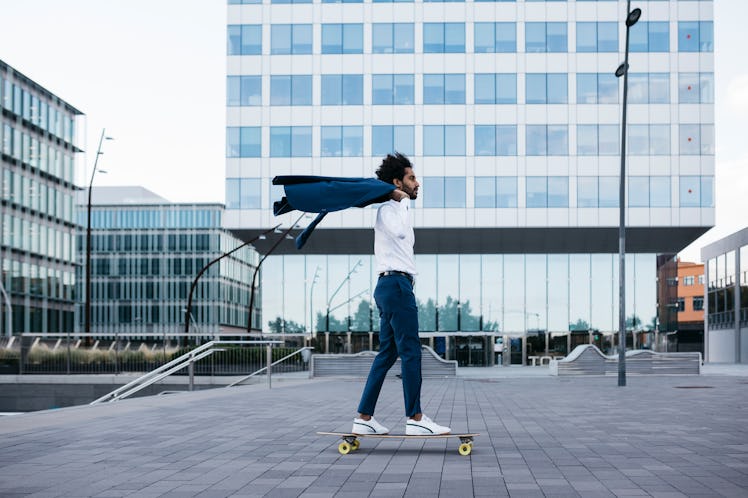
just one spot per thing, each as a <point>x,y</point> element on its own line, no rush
<point>579,325</point>
<point>279,325</point>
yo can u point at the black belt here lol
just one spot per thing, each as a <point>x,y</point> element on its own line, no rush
<point>395,272</point>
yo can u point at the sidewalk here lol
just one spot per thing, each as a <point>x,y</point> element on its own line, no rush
<point>540,436</point>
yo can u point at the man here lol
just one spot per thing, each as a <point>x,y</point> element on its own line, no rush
<point>398,331</point>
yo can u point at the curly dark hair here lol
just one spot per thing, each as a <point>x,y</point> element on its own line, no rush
<point>393,166</point>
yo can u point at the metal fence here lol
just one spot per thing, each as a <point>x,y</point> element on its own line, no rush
<point>61,354</point>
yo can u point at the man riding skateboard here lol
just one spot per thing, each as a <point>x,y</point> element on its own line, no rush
<point>398,313</point>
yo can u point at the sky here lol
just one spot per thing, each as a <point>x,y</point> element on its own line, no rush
<point>152,73</point>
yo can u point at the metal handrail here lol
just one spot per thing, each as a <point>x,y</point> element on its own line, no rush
<point>306,348</point>
<point>187,359</point>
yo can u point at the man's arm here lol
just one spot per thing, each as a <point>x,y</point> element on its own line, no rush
<point>393,217</point>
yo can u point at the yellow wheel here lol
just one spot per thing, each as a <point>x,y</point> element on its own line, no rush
<point>344,448</point>
<point>356,443</point>
<point>465,449</point>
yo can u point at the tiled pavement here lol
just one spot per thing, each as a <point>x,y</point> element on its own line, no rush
<point>541,436</point>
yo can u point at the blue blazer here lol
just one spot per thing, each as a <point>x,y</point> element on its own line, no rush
<point>325,194</point>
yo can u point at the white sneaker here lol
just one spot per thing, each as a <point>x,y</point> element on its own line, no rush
<point>371,426</point>
<point>425,427</point>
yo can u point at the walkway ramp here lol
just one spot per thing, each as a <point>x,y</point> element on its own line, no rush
<point>359,364</point>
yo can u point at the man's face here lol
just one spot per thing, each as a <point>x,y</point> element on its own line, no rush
<point>408,184</point>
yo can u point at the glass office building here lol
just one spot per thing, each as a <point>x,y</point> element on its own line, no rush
<point>39,146</point>
<point>511,112</point>
<point>726,299</point>
<point>145,254</point>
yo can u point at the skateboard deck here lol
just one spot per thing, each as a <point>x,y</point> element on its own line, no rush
<point>350,441</point>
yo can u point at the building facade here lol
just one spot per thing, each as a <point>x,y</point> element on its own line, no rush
<point>726,299</point>
<point>145,254</point>
<point>39,146</point>
<point>511,114</point>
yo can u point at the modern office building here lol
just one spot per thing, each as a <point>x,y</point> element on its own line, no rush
<point>39,146</point>
<point>511,113</point>
<point>726,299</point>
<point>680,311</point>
<point>145,254</point>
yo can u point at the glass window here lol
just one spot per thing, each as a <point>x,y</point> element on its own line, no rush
<point>587,140</point>
<point>232,193</point>
<point>597,37</point>
<point>244,91</point>
<point>558,191</point>
<point>536,142</point>
<point>659,191</point>
<point>243,141</point>
<point>695,36</point>
<point>638,191</point>
<point>447,140</point>
<point>342,89</point>
<point>485,192</point>
<point>690,191</point>
<point>290,141</point>
<point>495,88</point>
<point>495,140</point>
<point>608,140</point>
<point>389,89</point>
<point>249,193</point>
<point>291,90</point>
<point>609,194</point>
<point>454,192</point>
<point>587,191</point>
<point>495,37</point>
<point>598,88</point>
<point>536,191</point>
<point>387,139</point>
<point>342,38</point>
<point>433,191</point>
<point>444,37</point>
<point>443,88</point>
<point>392,38</point>
<point>506,192</point>
<point>290,39</point>
<point>696,88</point>
<point>244,39</point>
<point>689,139</point>
<point>650,37</point>
<point>558,140</point>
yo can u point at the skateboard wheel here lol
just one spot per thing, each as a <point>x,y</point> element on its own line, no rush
<point>356,443</point>
<point>344,448</point>
<point>465,449</point>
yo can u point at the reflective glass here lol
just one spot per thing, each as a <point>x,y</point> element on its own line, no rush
<point>514,296</point>
<point>688,36</point>
<point>587,140</point>
<point>454,192</point>
<point>558,140</point>
<point>251,141</point>
<point>433,191</point>
<point>688,88</point>
<point>586,88</point>
<point>485,140</point>
<point>659,140</point>
<point>707,191</point>
<point>608,140</point>
<point>280,39</point>
<point>638,191</point>
<point>506,88</point>
<point>433,140</point>
<point>587,191</point>
<point>557,88</point>
<point>609,195</point>
<point>536,191</point>
<point>558,191</point>
<point>659,191</point>
<point>454,140</point>
<point>250,197</point>
<point>689,139</point>
<point>579,292</point>
<point>506,192</point>
<point>485,192</point>
<point>603,292</point>
<point>690,191</point>
<point>536,140</point>
<point>536,291</point>
<point>586,37</point>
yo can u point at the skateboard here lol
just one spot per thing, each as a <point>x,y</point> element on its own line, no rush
<point>350,441</point>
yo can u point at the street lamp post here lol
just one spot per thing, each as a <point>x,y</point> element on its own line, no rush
<point>311,306</point>
<point>632,16</point>
<point>87,326</point>
<point>329,301</point>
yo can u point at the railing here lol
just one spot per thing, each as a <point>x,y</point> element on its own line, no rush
<point>305,354</point>
<point>70,354</point>
<point>186,360</point>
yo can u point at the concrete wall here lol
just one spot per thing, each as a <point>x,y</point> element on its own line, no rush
<point>721,346</point>
<point>24,393</point>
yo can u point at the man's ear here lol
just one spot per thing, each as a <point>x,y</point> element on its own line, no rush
<point>397,183</point>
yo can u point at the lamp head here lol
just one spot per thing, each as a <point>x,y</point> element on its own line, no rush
<point>621,70</point>
<point>633,17</point>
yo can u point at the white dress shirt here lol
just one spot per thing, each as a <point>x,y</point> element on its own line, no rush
<point>394,237</point>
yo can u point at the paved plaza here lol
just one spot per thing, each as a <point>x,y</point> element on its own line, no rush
<point>540,436</point>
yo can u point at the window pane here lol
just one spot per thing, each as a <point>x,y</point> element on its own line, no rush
<point>485,192</point>
<point>558,88</point>
<point>586,88</point>
<point>332,38</point>
<point>659,36</point>
<point>280,39</point>
<point>707,191</point>
<point>433,140</point>
<point>506,140</point>
<point>587,140</point>
<point>381,89</point>
<point>454,38</point>
<point>558,140</point>
<point>301,141</point>
<point>688,88</point>
<point>404,138</point>
<point>301,90</point>
<point>556,37</point>
<point>353,141</point>
<point>506,37</point>
<point>381,140</point>
<point>484,37</point>
<point>433,88</point>
<point>330,145</point>
<point>659,191</point>
<point>433,192</point>
<point>586,37</point>
<point>280,141</point>
<point>454,88</point>
<point>484,88</point>
<point>659,88</point>
<point>558,191</point>
<point>659,140</point>
<point>506,88</point>
<point>433,37</point>
<point>381,38</point>
<point>332,89</point>
<point>607,37</point>
<point>535,139</point>
<point>506,192</point>
<point>353,38</point>
<point>353,89</point>
<point>485,140</point>
<point>608,140</point>
<point>302,39</point>
<point>404,38</point>
<point>607,88</point>
<point>404,89</point>
<point>535,88</point>
<point>454,192</point>
<point>536,191</point>
<point>609,192</point>
<point>689,139</point>
<point>688,36</point>
<point>639,191</point>
<point>454,140</point>
<point>587,191</point>
<point>690,191</point>
<point>535,37</point>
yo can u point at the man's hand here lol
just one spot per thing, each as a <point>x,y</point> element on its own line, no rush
<point>399,195</point>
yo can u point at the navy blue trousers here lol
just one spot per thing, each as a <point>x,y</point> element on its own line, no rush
<point>398,336</point>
